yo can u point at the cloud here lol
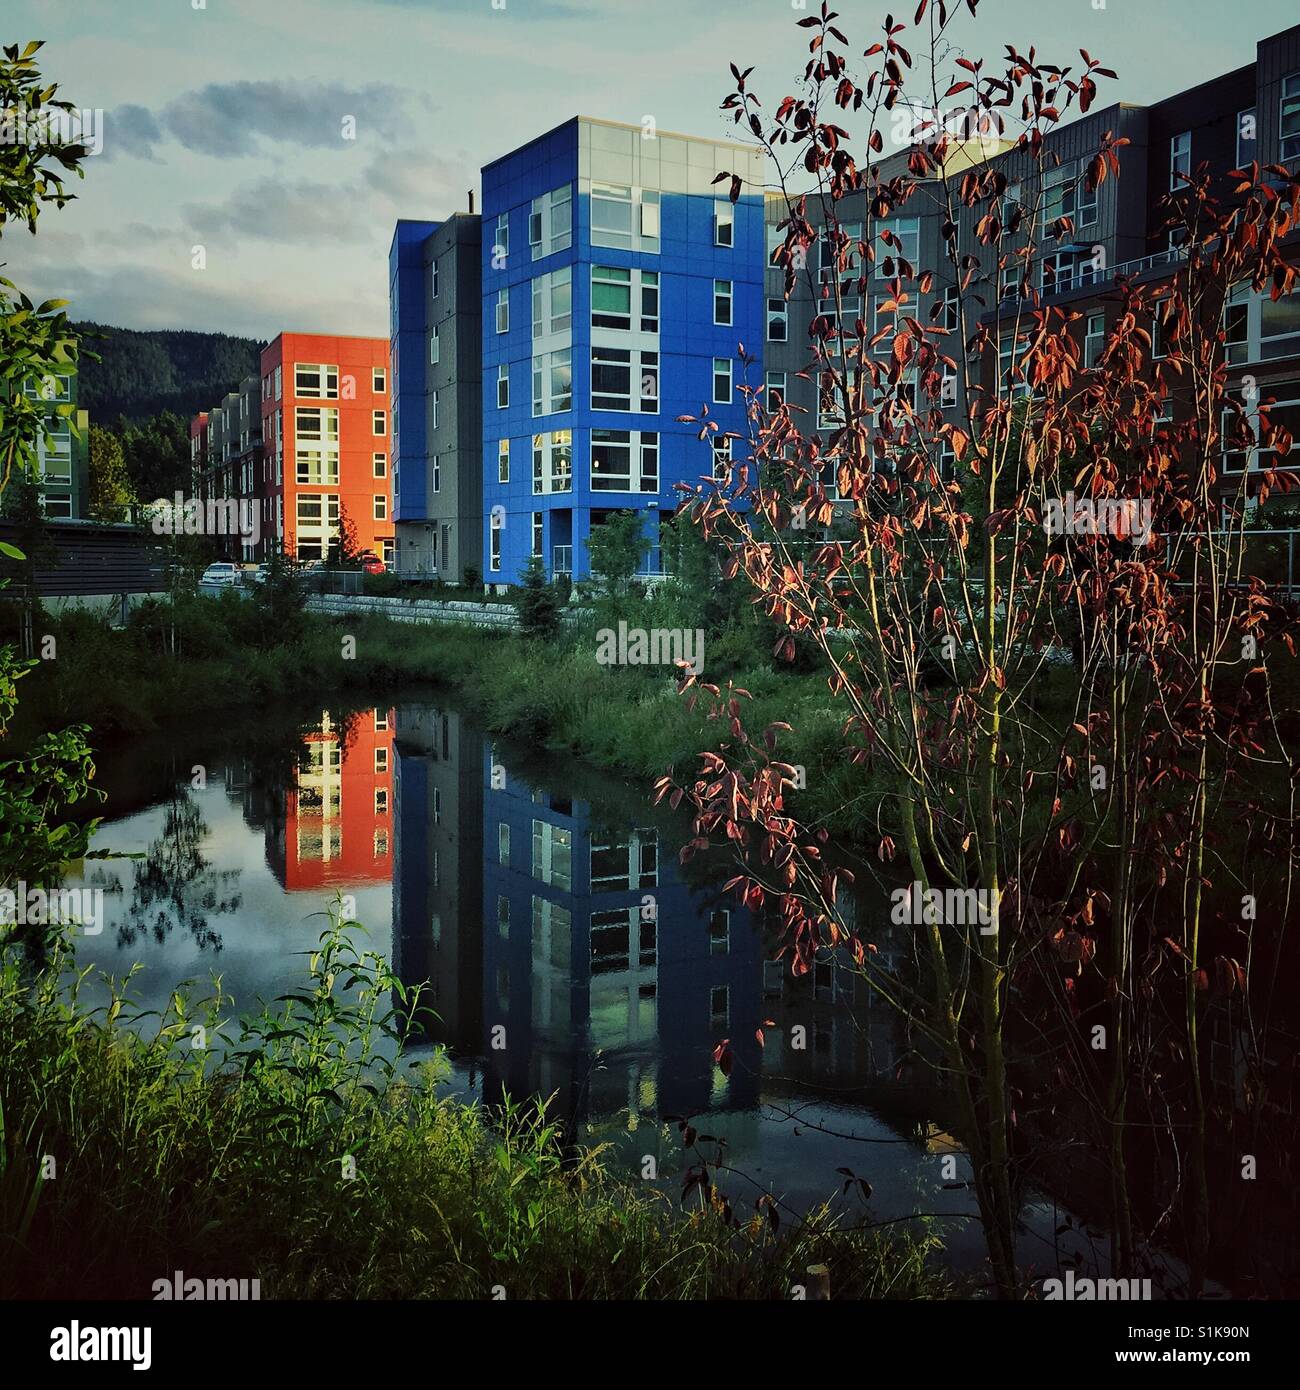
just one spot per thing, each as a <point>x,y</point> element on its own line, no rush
<point>273,210</point>
<point>130,130</point>
<point>229,119</point>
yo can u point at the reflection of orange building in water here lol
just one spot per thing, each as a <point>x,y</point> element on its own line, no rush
<point>338,819</point>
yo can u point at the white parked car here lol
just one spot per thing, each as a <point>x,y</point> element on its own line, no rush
<point>222,574</point>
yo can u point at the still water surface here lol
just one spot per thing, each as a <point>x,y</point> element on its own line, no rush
<point>566,950</point>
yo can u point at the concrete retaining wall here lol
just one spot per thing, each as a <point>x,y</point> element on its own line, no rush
<point>499,616</point>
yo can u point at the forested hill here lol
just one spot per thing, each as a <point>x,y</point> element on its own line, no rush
<point>143,373</point>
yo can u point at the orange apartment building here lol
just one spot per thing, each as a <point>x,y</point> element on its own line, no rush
<point>326,432</point>
<point>338,818</point>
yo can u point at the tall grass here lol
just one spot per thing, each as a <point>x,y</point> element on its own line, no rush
<point>308,1154</point>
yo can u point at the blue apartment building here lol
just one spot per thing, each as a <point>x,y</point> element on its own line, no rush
<point>618,280</point>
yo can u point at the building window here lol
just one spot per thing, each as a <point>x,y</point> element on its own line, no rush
<point>611,297</point>
<point>316,444</point>
<point>553,855</point>
<point>908,232</point>
<point>828,258</point>
<point>553,302</point>
<point>537,533</point>
<point>381,801</point>
<point>435,349</point>
<point>611,216</point>
<point>503,386</point>
<point>553,462</point>
<point>314,381</point>
<point>379,463</point>
<point>1180,158</point>
<point>1064,195</point>
<point>775,390</point>
<point>553,381</point>
<point>550,222</point>
<point>890,321</point>
<point>649,219</point>
<point>379,421</point>
<point>649,301</point>
<point>503,843</point>
<point>381,507</point>
<point>494,549</point>
<point>722,302</point>
<point>433,410</point>
<point>611,378</point>
<point>612,454</point>
<point>724,224</point>
<point>1094,339</point>
<point>502,245</point>
<point>503,311</point>
<point>503,916</point>
<point>777,321</point>
<point>378,380</point>
<point>1246,145</point>
<point>435,474</point>
<point>433,279</point>
<point>381,759</point>
<point>1288,126</point>
<point>722,380</point>
<point>1279,326</point>
<point>721,459</point>
<point>503,461</point>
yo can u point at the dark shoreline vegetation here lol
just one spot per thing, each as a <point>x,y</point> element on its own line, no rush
<point>233,653</point>
<point>319,1162</point>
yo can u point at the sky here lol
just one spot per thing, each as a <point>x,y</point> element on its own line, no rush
<point>285,137</point>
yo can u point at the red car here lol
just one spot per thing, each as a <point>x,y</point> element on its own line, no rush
<point>370,562</point>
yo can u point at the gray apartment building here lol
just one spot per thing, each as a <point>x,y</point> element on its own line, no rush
<point>1251,113</point>
<point>435,294</point>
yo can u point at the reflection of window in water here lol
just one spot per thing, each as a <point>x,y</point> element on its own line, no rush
<point>435,928</point>
<point>437,806</point>
<point>503,843</point>
<point>317,844</point>
<point>381,842</point>
<point>720,1006</point>
<point>381,801</point>
<point>503,916</point>
<point>552,928</point>
<point>773,977</point>
<point>503,987</point>
<point>612,935</point>
<point>381,720</point>
<point>617,866</point>
<point>553,855</point>
<point>719,932</point>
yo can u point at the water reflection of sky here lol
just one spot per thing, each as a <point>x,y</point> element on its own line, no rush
<point>515,886</point>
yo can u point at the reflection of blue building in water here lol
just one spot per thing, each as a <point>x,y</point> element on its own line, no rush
<point>606,978</point>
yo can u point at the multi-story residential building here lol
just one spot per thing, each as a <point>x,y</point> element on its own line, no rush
<point>326,458</point>
<point>435,298</point>
<point>618,280</point>
<point>63,452</point>
<point>226,459</point>
<point>1250,114</point>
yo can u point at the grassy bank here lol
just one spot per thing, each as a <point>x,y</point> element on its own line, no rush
<point>229,653</point>
<point>318,1162</point>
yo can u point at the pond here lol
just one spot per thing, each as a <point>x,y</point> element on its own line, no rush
<point>566,951</point>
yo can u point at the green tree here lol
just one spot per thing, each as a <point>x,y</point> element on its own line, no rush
<point>110,486</point>
<point>616,548</point>
<point>42,790</point>
<point>537,601</point>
